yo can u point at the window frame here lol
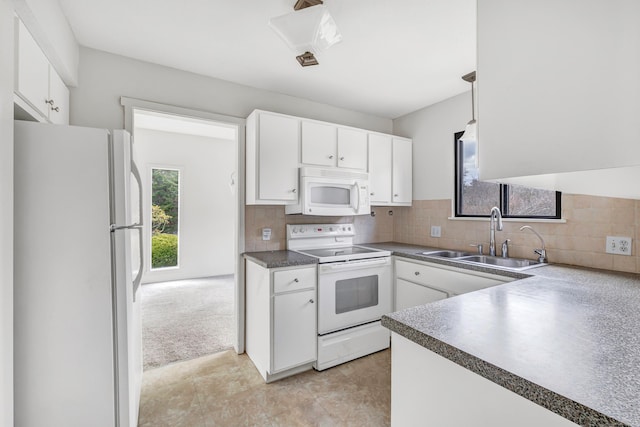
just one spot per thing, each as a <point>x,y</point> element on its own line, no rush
<point>503,196</point>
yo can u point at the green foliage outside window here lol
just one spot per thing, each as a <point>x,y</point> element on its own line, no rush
<point>165,185</point>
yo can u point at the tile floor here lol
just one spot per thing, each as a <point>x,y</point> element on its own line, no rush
<point>225,389</point>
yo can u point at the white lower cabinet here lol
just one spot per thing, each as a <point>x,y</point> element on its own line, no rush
<point>281,319</point>
<point>410,294</point>
<point>427,386</point>
<point>294,332</point>
<point>421,282</point>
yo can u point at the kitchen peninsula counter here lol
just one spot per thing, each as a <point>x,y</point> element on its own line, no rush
<point>564,338</point>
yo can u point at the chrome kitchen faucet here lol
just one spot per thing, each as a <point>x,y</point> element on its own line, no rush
<point>495,215</point>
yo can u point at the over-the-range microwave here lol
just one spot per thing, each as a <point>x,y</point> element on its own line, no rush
<point>332,192</point>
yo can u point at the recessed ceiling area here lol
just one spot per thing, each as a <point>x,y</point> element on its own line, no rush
<point>395,57</point>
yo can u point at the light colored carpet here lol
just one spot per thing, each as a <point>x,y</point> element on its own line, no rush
<point>186,319</point>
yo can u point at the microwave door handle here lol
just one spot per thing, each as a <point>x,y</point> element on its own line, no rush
<point>357,184</point>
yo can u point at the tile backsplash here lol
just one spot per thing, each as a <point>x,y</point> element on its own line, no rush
<point>378,228</point>
<point>580,241</point>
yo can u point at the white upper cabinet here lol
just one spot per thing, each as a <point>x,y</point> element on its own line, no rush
<point>352,148</point>
<point>558,87</point>
<point>380,161</point>
<point>402,180</point>
<point>32,76</point>
<point>40,90</point>
<point>325,144</point>
<point>278,145</point>
<point>272,158</point>
<point>390,170</point>
<point>59,96</point>
<point>319,143</point>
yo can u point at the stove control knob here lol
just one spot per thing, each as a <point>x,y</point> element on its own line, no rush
<point>349,228</point>
<point>330,228</point>
<point>302,230</point>
<point>294,230</point>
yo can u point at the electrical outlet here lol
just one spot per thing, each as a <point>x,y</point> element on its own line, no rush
<point>436,231</point>
<point>266,234</point>
<point>618,245</point>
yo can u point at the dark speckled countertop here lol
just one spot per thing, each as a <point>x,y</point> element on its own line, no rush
<point>565,338</point>
<point>275,259</point>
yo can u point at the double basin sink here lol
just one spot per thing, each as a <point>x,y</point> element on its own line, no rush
<point>517,264</point>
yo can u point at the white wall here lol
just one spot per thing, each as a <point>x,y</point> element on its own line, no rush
<point>49,27</point>
<point>432,130</point>
<point>6,213</point>
<point>104,78</point>
<point>207,206</point>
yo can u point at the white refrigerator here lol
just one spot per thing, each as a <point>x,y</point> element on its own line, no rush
<point>78,347</point>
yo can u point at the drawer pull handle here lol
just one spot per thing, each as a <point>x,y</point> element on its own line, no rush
<point>296,280</point>
<point>342,158</point>
<point>417,273</point>
<point>331,157</point>
<point>311,301</point>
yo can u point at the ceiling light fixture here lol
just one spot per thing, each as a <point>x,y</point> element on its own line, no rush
<point>308,30</point>
<point>307,59</point>
<point>471,131</point>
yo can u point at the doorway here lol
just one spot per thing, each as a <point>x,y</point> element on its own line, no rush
<point>189,174</point>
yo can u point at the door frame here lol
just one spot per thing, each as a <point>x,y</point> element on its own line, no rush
<point>131,104</point>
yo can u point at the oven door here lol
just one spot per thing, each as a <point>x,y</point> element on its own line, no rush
<point>334,197</point>
<point>352,293</point>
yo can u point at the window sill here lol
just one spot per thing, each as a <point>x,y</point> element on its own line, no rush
<point>524,220</point>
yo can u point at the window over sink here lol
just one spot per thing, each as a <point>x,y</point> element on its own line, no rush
<point>475,198</point>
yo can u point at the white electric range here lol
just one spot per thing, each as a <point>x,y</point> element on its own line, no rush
<point>354,291</point>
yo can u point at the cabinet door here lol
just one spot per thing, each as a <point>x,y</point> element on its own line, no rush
<point>59,95</point>
<point>380,168</point>
<point>402,174</point>
<point>279,138</point>
<point>294,329</point>
<point>352,149</point>
<point>318,144</point>
<point>410,294</point>
<point>32,76</point>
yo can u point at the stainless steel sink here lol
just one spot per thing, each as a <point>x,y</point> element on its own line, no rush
<point>446,254</point>
<point>510,263</point>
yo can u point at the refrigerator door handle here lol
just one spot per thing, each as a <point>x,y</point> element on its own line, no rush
<point>115,227</point>
<point>136,282</point>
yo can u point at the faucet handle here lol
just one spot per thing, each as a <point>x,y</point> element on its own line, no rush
<point>477,245</point>
<point>505,248</point>
<point>543,254</point>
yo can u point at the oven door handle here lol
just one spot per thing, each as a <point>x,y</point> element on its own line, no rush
<point>354,264</point>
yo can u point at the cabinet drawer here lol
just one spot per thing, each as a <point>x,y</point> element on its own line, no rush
<point>449,281</point>
<point>411,271</point>
<point>293,280</point>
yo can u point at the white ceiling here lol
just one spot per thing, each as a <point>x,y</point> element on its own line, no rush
<point>396,57</point>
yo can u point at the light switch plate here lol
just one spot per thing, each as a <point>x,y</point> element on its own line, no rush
<point>618,245</point>
<point>436,231</point>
